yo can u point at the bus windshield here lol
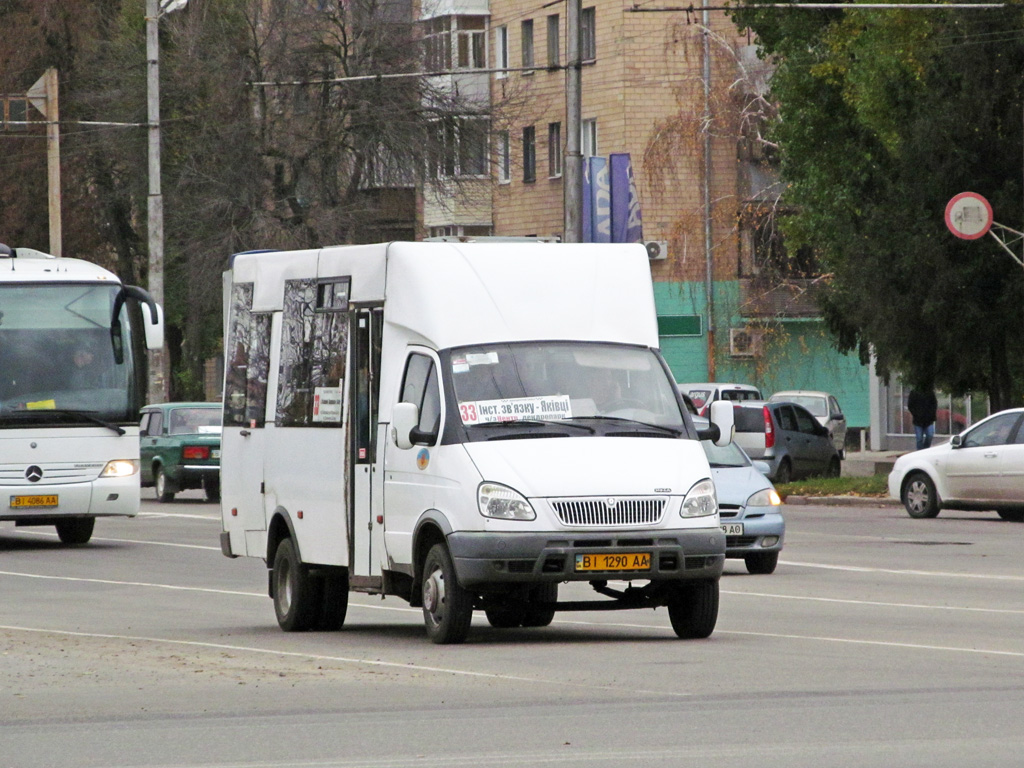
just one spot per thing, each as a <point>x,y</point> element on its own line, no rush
<point>57,362</point>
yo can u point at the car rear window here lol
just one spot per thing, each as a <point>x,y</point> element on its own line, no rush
<point>749,419</point>
<point>739,394</point>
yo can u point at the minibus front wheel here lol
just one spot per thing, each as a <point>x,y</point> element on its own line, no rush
<point>447,606</point>
<point>693,608</point>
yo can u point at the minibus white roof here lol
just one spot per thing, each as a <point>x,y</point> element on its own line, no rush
<point>452,294</point>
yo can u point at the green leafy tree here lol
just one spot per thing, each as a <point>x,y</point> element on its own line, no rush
<point>883,116</point>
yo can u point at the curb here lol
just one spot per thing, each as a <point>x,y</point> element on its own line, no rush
<point>842,501</point>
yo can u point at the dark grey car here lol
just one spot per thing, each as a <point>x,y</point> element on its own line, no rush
<point>788,438</point>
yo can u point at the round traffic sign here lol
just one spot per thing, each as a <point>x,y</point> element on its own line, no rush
<point>969,216</point>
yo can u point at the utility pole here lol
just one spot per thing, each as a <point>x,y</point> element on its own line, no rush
<point>44,96</point>
<point>572,181</point>
<point>158,390</point>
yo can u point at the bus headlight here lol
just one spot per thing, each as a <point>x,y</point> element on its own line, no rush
<point>120,468</point>
<point>503,503</point>
<point>700,501</point>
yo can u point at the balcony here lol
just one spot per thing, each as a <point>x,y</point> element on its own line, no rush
<point>780,298</point>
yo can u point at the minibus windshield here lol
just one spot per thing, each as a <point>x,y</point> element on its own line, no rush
<point>562,381</point>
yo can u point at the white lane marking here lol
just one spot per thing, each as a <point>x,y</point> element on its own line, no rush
<point>337,659</point>
<point>874,603</point>
<point>760,595</point>
<point>217,518</point>
<point>902,571</point>
<point>130,541</point>
<point>885,643</point>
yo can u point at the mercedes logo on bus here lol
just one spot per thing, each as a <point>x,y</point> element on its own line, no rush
<point>33,474</point>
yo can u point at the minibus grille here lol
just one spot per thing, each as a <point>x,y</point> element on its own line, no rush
<point>616,512</point>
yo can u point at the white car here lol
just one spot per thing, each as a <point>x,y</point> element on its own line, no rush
<point>981,468</point>
<point>706,393</point>
<point>824,407</point>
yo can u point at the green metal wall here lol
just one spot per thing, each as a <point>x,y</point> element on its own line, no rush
<point>796,354</point>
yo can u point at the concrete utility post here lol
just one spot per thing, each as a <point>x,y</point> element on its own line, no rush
<point>44,96</point>
<point>158,389</point>
<point>572,181</point>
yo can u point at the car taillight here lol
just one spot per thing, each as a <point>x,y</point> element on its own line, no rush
<point>196,452</point>
<point>769,431</point>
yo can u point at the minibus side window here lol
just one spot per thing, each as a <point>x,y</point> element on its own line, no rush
<point>419,386</point>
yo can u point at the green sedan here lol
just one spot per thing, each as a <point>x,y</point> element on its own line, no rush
<point>180,448</point>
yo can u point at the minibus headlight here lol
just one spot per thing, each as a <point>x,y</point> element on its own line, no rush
<point>120,468</point>
<point>769,497</point>
<point>700,501</point>
<point>503,503</point>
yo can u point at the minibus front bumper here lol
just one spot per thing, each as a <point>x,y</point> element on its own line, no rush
<point>488,558</point>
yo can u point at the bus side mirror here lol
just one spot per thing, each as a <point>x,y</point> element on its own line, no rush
<point>405,417</point>
<point>723,416</point>
<point>154,325</point>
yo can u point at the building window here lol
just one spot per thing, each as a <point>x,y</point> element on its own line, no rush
<point>588,138</point>
<point>455,42</point>
<point>501,49</point>
<point>588,34</point>
<point>461,230</point>
<point>459,148</point>
<point>504,159</point>
<point>529,154</point>
<point>554,150</point>
<point>527,44</point>
<point>554,42</point>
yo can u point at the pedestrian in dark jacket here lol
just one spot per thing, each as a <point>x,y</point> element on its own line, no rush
<point>923,405</point>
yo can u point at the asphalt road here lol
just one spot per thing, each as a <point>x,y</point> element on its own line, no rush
<point>879,641</point>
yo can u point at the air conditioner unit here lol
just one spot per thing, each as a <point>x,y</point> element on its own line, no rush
<point>744,342</point>
<point>657,249</point>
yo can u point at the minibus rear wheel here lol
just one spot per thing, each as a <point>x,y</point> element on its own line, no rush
<point>296,594</point>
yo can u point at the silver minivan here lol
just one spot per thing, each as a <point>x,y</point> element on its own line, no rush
<point>786,437</point>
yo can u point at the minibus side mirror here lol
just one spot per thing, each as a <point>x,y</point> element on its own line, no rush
<point>723,417</point>
<point>405,417</point>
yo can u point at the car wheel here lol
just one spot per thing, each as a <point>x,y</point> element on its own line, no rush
<point>164,493</point>
<point>761,562</point>
<point>693,609</point>
<point>75,530</point>
<point>447,606</point>
<point>539,615</point>
<point>1013,515</point>
<point>211,486</point>
<point>919,496</point>
<point>835,469</point>
<point>297,595</point>
<point>784,473</point>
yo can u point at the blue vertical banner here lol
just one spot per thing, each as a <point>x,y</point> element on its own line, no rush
<point>588,214</point>
<point>627,225</point>
<point>601,202</point>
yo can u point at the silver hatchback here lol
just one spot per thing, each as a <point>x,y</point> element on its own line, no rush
<point>786,437</point>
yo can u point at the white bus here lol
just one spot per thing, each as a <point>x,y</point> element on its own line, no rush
<point>72,380</point>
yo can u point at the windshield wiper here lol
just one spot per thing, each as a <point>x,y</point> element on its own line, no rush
<point>670,430</point>
<point>85,415</point>
<point>536,423</point>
